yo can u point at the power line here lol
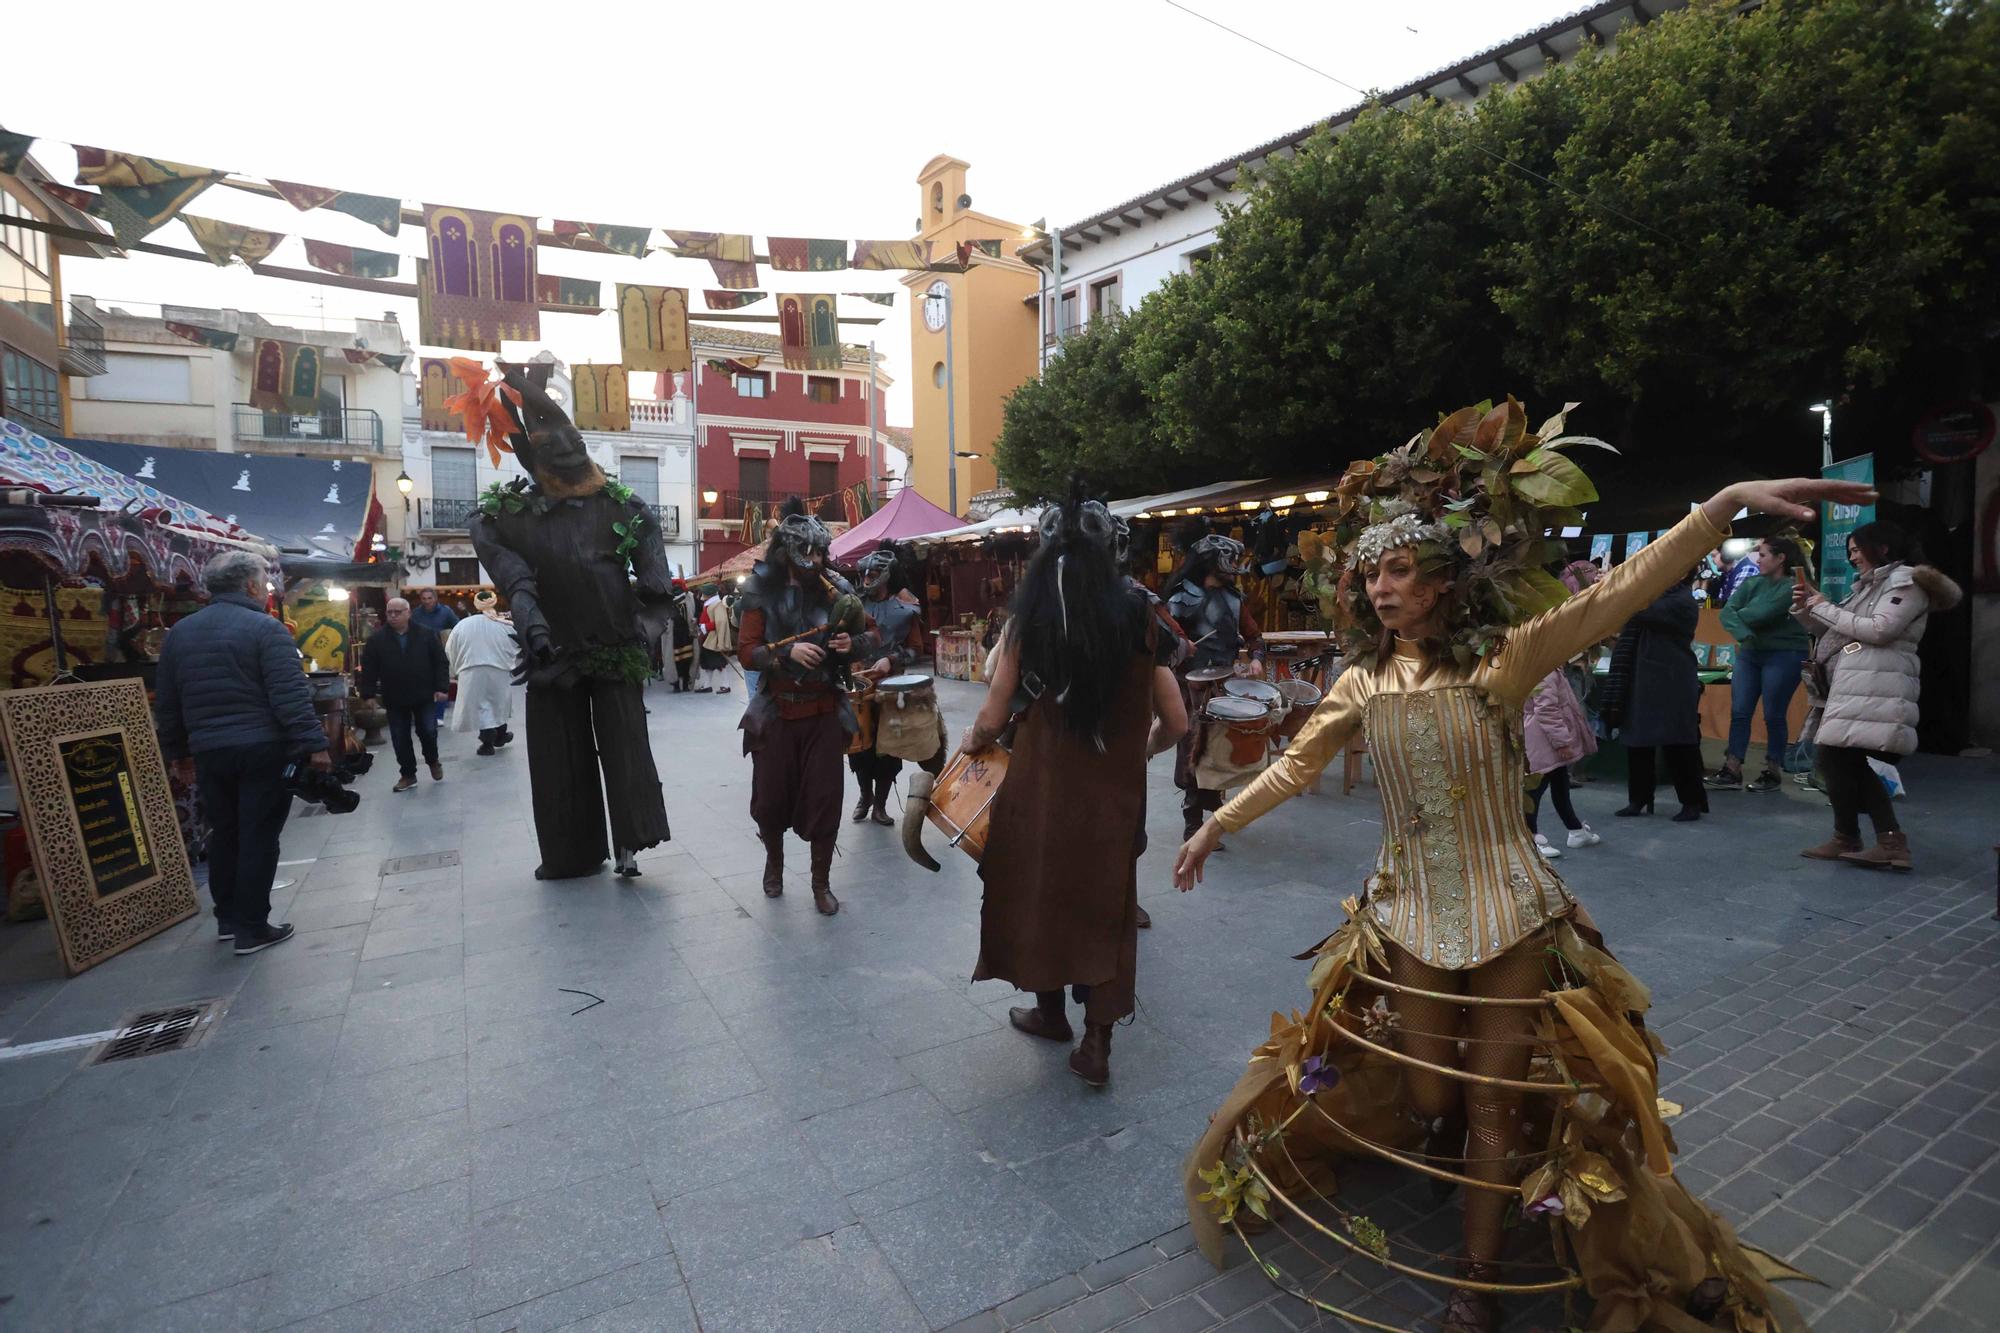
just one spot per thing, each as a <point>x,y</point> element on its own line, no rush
<point>1580,197</point>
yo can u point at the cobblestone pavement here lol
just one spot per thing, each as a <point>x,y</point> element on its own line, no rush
<point>775,1121</point>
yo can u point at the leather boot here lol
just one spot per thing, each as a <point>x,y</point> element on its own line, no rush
<point>1145,921</point>
<point>774,864</point>
<point>1473,1311</point>
<point>1839,845</point>
<point>1047,1019</point>
<point>1091,1060</point>
<point>861,806</point>
<point>822,867</point>
<point>1890,852</point>
<point>881,813</point>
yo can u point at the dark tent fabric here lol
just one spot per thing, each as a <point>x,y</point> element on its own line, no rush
<point>321,507</point>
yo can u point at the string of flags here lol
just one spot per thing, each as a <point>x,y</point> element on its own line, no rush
<point>856,502</point>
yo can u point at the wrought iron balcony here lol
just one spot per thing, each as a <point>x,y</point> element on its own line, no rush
<point>730,506</point>
<point>354,430</point>
<point>448,515</point>
<point>83,348</point>
<point>669,519</point>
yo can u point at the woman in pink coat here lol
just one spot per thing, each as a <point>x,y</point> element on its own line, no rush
<point>1557,734</point>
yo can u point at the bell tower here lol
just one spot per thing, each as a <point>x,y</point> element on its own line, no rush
<point>941,195</point>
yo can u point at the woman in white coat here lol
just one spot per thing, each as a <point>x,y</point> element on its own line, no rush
<point>482,652</point>
<point>1865,669</point>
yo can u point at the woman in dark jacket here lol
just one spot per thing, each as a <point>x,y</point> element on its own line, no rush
<point>1653,699</point>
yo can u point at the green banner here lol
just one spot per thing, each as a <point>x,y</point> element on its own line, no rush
<point>1836,522</point>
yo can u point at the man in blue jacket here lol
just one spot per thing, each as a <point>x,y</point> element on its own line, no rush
<point>232,709</point>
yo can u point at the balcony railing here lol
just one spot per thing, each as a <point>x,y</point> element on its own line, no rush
<point>354,429</point>
<point>1068,331</point>
<point>731,504</point>
<point>83,351</point>
<point>669,519</point>
<point>448,515</point>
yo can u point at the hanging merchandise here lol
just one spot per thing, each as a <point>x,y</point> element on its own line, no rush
<point>481,279</point>
<point>352,262</point>
<point>892,254</point>
<point>879,298</point>
<point>600,402</point>
<point>224,241</point>
<point>728,245</point>
<point>140,193</point>
<point>734,274</point>
<point>434,391</point>
<point>653,328</point>
<point>285,377</point>
<point>581,293</point>
<point>809,331</point>
<point>731,300</point>
<point>217,338</point>
<point>801,254</point>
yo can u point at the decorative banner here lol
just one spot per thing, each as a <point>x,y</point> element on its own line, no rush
<point>735,365</point>
<point>13,147</point>
<point>809,331</point>
<point>567,233</point>
<point>734,274</point>
<point>84,201</point>
<point>582,293</point>
<point>892,254</point>
<point>434,387</point>
<point>731,300</point>
<point>622,240</point>
<point>879,298</point>
<point>968,251</point>
<point>361,356</point>
<point>713,245</point>
<point>353,263</point>
<point>599,393</point>
<point>653,328</point>
<point>220,339</point>
<point>223,241</point>
<point>303,197</point>
<point>140,193</point>
<point>285,377</point>
<point>378,211</point>
<point>480,285</point>
<point>800,254</point>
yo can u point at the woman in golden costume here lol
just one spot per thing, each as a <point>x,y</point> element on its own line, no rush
<point>1465,1020</point>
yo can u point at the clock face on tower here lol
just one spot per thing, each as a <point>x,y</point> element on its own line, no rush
<point>937,306</point>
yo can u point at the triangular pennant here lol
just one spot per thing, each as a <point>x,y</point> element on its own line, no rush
<point>84,201</point>
<point>879,298</point>
<point>378,211</point>
<point>567,234</point>
<point>224,241</point>
<point>352,262</point>
<point>140,193</point>
<point>576,293</point>
<point>730,246</point>
<point>734,275</point>
<point>206,337</point>
<point>892,254</point>
<point>13,147</point>
<point>622,240</point>
<point>730,300</point>
<point>804,254</point>
<point>393,362</point>
<point>303,197</point>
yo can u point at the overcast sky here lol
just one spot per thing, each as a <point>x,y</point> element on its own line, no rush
<point>794,118</point>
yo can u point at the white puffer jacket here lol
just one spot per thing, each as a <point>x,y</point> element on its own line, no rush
<point>1868,645</point>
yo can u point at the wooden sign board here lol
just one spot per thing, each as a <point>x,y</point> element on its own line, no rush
<point>99,815</point>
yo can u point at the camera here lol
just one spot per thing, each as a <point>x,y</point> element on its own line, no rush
<point>320,787</point>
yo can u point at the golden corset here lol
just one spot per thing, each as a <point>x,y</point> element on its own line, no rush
<point>1458,881</point>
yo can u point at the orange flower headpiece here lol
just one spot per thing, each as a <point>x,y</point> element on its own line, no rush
<point>485,407</point>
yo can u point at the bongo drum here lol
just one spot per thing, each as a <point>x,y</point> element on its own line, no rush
<point>1239,728</point>
<point>907,722</point>
<point>1301,697</point>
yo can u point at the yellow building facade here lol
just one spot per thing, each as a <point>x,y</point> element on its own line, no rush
<point>994,338</point>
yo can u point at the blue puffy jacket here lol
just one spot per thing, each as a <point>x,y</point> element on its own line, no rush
<point>230,675</point>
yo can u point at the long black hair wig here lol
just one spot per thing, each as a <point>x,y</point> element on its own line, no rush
<point>1074,623</point>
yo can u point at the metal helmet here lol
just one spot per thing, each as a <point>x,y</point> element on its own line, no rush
<point>1086,518</point>
<point>1226,552</point>
<point>876,569</point>
<point>1121,539</point>
<point>801,540</point>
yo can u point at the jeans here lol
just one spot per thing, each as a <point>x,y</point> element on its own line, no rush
<point>242,787</point>
<point>1556,783</point>
<point>1771,675</point>
<point>401,718</point>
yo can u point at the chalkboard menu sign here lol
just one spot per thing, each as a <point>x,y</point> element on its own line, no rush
<point>100,782</point>
<point>99,814</point>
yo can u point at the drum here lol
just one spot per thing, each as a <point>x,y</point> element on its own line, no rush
<point>1301,697</point>
<point>1204,682</point>
<point>1244,725</point>
<point>862,699</point>
<point>907,722</point>
<point>961,802</point>
<point>1259,691</point>
<point>1297,653</point>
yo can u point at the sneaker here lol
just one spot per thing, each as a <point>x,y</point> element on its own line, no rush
<point>1724,779</point>
<point>1548,849</point>
<point>257,939</point>
<point>404,783</point>
<point>1768,780</point>
<point>225,931</point>
<point>1584,837</point>
<point>485,747</point>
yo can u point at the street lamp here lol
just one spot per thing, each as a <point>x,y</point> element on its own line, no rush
<point>404,484</point>
<point>710,495</point>
<point>1825,411</point>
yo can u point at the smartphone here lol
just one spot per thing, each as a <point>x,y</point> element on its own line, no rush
<point>1799,579</point>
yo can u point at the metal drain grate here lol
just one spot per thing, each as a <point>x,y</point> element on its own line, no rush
<point>157,1031</point>
<point>403,865</point>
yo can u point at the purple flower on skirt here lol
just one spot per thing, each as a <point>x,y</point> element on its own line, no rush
<point>1552,1206</point>
<point>1317,1075</point>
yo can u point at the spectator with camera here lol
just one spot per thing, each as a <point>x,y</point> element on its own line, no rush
<point>403,664</point>
<point>233,712</point>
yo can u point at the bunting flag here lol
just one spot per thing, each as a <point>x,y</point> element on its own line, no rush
<point>83,201</point>
<point>802,254</point>
<point>378,211</point>
<point>735,365</point>
<point>809,331</point>
<point>892,254</point>
<point>879,298</point>
<point>568,233</point>
<point>731,300</point>
<point>221,339</point>
<point>713,245</point>
<point>140,193</point>
<point>653,328</point>
<point>580,293</point>
<point>734,274</point>
<point>477,288</point>
<point>351,262</point>
<point>970,251</point>
<point>224,241</point>
<point>394,362</point>
<point>285,377</point>
<point>630,241</point>
<point>361,356</point>
<point>303,197</point>
<point>434,387</point>
<point>598,395</point>
<point>13,147</point>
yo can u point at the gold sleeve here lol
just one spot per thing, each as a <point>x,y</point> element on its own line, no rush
<point>1541,645</point>
<point>1324,736</point>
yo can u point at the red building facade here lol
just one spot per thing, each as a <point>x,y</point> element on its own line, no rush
<point>764,433</point>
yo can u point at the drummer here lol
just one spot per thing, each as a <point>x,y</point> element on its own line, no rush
<point>1203,597</point>
<point>1122,548</point>
<point>897,642</point>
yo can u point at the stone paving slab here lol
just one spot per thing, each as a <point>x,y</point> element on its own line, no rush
<point>406,1119</point>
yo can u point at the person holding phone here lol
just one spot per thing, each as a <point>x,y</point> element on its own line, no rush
<point>1770,650</point>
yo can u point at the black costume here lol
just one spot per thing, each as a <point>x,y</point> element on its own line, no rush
<point>584,624</point>
<point>898,636</point>
<point>1217,623</point>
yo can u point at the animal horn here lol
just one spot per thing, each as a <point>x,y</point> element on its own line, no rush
<point>916,805</point>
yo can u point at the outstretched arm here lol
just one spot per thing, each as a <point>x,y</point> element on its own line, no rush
<point>515,578</point>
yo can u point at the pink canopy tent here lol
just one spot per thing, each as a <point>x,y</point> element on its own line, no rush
<point>908,515</point>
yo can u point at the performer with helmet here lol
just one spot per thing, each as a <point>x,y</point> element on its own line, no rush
<point>898,619</point>
<point>800,623</point>
<point>1080,674</point>
<point>1205,601</point>
<point>1121,546</point>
